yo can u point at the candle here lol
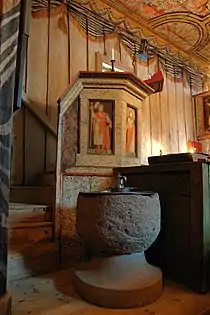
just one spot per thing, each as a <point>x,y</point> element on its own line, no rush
<point>112,54</point>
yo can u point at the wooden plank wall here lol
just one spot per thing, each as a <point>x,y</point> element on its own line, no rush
<point>59,48</point>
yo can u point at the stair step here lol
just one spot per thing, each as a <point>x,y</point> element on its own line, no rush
<point>33,194</point>
<point>19,212</point>
<point>21,233</point>
<point>46,179</point>
<point>28,225</point>
<point>26,261</point>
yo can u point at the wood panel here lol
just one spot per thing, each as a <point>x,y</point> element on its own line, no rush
<point>64,48</point>
<point>78,49</point>
<point>172,113</point>
<point>123,54</point>
<point>17,167</point>
<point>34,148</point>
<point>58,67</point>
<point>156,122</point>
<point>36,89</point>
<point>188,109</point>
<point>181,119</point>
<point>96,45</point>
<point>165,136</point>
<point>57,75</point>
<point>37,62</point>
<point>146,143</point>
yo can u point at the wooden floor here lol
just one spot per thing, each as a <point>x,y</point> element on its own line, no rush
<point>54,294</point>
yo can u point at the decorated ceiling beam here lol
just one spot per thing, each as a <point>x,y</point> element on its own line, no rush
<point>38,5</point>
<point>183,24</point>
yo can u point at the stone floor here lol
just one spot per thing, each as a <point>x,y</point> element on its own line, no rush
<point>54,294</point>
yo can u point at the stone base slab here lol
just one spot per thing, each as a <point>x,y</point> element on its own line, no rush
<point>124,281</point>
<point>5,304</point>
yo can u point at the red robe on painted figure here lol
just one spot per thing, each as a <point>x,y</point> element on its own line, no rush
<point>101,131</point>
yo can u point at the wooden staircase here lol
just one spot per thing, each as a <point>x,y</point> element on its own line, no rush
<point>32,248</point>
<point>32,245</point>
<point>32,210</point>
<point>29,224</point>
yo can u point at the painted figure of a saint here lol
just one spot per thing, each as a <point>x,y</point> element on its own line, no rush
<point>130,132</point>
<point>207,113</point>
<point>101,125</point>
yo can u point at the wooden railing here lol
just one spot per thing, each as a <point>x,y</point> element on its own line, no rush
<point>43,119</point>
<point>34,143</point>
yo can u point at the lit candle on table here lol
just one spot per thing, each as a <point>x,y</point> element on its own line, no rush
<point>112,54</point>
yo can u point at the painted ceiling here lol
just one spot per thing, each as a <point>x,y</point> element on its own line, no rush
<point>184,23</point>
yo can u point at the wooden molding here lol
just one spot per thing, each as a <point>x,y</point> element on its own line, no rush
<point>117,75</point>
<point>109,80</point>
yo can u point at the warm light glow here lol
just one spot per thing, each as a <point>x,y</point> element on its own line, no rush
<point>106,65</point>
<point>157,148</point>
<point>192,150</point>
<point>194,146</point>
<point>183,147</point>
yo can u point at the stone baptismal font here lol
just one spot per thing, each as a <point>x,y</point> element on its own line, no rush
<point>100,129</point>
<point>117,225</point>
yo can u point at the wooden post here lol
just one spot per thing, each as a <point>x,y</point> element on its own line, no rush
<point>9,26</point>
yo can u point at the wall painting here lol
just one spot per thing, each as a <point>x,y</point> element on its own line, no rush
<point>131,131</point>
<point>206,114</point>
<point>101,126</point>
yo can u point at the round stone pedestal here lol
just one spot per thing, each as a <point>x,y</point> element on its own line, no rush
<point>123,281</point>
<point>5,304</point>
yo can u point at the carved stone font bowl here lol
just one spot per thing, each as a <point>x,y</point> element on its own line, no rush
<point>118,223</point>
